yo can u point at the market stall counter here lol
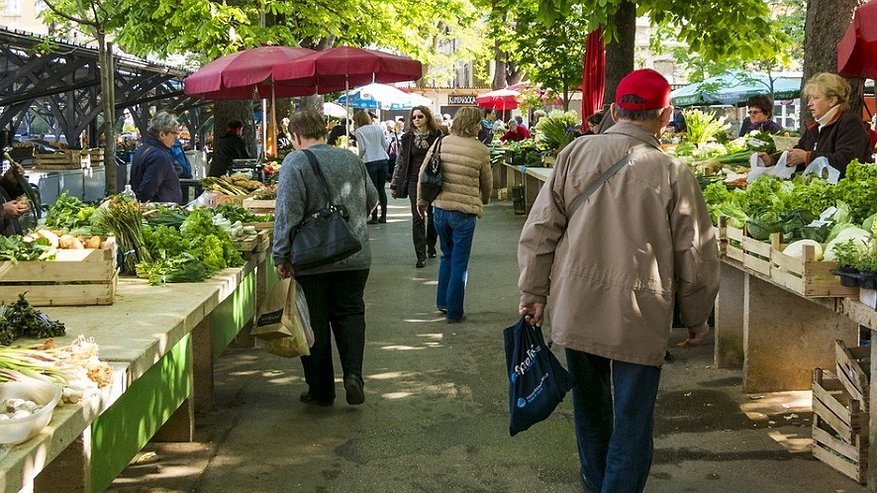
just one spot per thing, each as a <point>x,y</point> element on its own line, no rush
<point>161,342</point>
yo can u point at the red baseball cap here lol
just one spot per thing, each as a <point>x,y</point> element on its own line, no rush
<point>648,85</point>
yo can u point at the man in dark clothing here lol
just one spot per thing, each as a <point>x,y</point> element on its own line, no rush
<point>153,174</point>
<point>11,209</point>
<point>228,148</point>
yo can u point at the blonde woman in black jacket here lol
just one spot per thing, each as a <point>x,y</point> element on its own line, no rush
<point>415,143</point>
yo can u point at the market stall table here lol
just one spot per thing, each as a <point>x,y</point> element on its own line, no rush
<point>162,342</point>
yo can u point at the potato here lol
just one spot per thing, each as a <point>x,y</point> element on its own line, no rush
<point>66,241</point>
<point>93,242</point>
<point>77,244</point>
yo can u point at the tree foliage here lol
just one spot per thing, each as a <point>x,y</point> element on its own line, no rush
<point>715,29</point>
<point>550,55</point>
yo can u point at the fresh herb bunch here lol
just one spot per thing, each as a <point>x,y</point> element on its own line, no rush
<point>69,213</point>
<point>13,249</point>
<point>234,212</point>
<point>20,319</point>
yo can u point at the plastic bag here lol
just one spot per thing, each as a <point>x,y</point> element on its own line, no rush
<point>537,380</point>
<point>780,170</point>
<point>292,336</point>
<point>822,168</point>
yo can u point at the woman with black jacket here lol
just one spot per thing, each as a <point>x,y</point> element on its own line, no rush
<point>421,134</point>
<point>836,132</point>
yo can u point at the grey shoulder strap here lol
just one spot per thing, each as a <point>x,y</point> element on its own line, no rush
<point>635,152</point>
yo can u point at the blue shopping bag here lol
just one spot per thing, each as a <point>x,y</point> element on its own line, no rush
<point>537,380</point>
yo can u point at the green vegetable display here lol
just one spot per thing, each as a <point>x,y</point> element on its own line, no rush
<point>191,254</point>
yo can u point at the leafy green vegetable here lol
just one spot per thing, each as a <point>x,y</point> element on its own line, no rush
<point>20,319</point>
<point>234,212</point>
<point>183,267</point>
<point>13,249</point>
<point>859,189</point>
<point>69,213</point>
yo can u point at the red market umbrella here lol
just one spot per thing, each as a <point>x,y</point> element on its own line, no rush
<point>857,50</point>
<point>501,99</point>
<point>593,73</point>
<point>245,74</point>
<point>342,67</point>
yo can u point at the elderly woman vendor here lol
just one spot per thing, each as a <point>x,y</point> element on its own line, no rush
<point>836,133</point>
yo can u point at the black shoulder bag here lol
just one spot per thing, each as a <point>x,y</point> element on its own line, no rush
<point>323,236</point>
<point>431,180</point>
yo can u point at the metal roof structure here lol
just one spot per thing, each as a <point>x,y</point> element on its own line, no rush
<point>63,86</point>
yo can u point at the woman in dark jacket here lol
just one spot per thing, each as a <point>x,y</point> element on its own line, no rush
<point>760,111</point>
<point>153,174</point>
<point>836,133</point>
<point>414,145</point>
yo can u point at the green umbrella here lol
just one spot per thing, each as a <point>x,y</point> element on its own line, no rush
<point>734,88</point>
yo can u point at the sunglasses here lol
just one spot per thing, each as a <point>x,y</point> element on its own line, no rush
<point>418,117</point>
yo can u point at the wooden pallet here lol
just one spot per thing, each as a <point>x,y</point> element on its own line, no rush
<point>802,275</point>
<point>853,367</point>
<point>246,244</point>
<point>75,278</point>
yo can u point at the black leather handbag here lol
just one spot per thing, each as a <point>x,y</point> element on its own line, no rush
<point>431,180</point>
<point>323,236</point>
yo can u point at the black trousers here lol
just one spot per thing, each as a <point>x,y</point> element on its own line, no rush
<point>336,307</point>
<point>422,230</point>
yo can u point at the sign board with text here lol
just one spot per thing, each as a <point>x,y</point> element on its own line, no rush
<point>461,99</point>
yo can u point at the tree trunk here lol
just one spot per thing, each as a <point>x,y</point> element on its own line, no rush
<point>827,21</point>
<point>108,108</point>
<point>499,76</point>
<point>620,52</point>
<point>225,111</point>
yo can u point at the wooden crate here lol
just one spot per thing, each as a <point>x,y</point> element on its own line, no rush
<point>246,244</point>
<point>266,226</point>
<point>853,367</point>
<point>834,405</point>
<point>850,460</point>
<point>58,160</point>
<point>259,206</point>
<point>92,158</point>
<point>802,275</point>
<point>75,278</point>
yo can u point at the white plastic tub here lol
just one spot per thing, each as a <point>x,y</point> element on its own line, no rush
<point>15,431</point>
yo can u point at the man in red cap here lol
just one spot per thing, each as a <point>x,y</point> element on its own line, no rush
<point>618,228</point>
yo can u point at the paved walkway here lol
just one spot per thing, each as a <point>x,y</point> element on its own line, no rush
<point>435,417</point>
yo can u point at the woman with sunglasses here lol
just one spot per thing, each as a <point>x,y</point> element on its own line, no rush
<point>467,181</point>
<point>414,145</point>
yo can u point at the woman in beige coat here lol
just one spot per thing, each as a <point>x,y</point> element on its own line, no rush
<point>466,184</point>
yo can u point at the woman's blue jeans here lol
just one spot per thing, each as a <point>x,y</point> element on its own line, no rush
<point>614,435</point>
<point>455,231</point>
